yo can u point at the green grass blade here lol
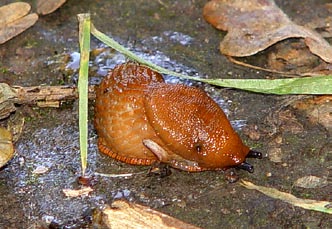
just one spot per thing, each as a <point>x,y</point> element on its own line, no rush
<point>315,205</point>
<point>84,40</point>
<point>307,85</point>
<point>115,45</point>
<point>315,85</point>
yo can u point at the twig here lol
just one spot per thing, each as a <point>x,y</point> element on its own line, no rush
<point>34,94</point>
<point>42,96</point>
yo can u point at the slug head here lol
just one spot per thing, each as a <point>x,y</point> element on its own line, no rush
<point>193,126</point>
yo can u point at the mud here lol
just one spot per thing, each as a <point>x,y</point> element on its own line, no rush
<point>172,34</point>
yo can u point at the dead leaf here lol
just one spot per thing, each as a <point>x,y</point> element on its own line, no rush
<point>311,182</point>
<point>77,192</point>
<point>48,6</point>
<point>14,19</point>
<point>40,170</point>
<point>15,125</point>
<point>131,216</point>
<point>252,132</point>
<point>6,146</point>
<point>289,123</point>
<point>292,56</point>
<point>255,25</point>
<point>275,154</point>
<point>13,11</point>
<point>274,151</point>
<point>319,20</point>
<point>7,98</point>
<point>318,110</point>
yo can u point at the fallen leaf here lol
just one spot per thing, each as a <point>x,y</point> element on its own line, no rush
<point>13,11</point>
<point>322,206</point>
<point>319,20</point>
<point>311,182</point>
<point>6,146</point>
<point>7,98</point>
<point>40,170</point>
<point>77,192</point>
<point>255,25</point>
<point>15,125</point>
<point>48,6</point>
<point>14,19</point>
<point>292,56</point>
<point>322,114</point>
<point>252,132</point>
<point>318,110</point>
<point>289,123</point>
<point>131,216</point>
<point>275,154</point>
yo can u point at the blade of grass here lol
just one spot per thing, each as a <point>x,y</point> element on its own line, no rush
<point>321,206</point>
<point>314,85</point>
<point>84,40</point>
<point>115,45</point>
<point>306,85</point>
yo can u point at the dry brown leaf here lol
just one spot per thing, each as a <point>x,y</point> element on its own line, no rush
<point>40,170</point>
<point>318,110</point>
<point>311,182</point>
<point>289,123</point>
<point>323,25</point>
<point>7,99</point>
<point>292,56</point>
<point>15,125</point>
<point>14,20</point>
<point>77,192</point>
<point>255,25</point>
<point>131,216</point>
<point>48,6</point>
<point>274,151</point>
<point>12,12</point>
<point>275,154</point>
<point>6,146</point>
<point>252,132</point>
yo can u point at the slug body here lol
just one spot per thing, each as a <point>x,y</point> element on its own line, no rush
<point>141,120</point>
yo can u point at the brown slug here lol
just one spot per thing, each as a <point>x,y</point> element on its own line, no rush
<point>141,120</point>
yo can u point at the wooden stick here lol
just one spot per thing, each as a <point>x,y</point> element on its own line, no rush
<point>42,96</point>
<point>31,95</point>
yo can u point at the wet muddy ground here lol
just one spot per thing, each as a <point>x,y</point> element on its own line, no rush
<point>172,34</point>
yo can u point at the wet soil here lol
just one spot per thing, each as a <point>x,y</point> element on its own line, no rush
<point>172,34</point>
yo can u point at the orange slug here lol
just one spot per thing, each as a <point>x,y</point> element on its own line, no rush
<point>141,120</point>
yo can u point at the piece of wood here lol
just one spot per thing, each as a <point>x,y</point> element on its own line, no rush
<point>42,96</point>
<point>123,214</point>
<point>31,95</point>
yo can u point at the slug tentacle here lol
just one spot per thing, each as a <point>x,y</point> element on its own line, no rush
<point>140,120</point>
<point>246,166</point>
<point>254,154</point>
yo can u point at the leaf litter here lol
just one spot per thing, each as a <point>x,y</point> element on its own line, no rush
<point>14,19</point>
<point>255,25</point>
<point>6,146</point>
<point>48,6</point>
